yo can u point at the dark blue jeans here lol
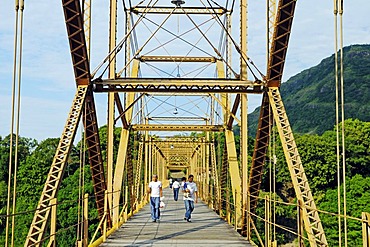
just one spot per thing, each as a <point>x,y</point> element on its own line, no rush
<point>189,207</point>
<point>176,193</point>
<point>154,208</point>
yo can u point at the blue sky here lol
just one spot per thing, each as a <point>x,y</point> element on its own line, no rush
<point>47,78</point>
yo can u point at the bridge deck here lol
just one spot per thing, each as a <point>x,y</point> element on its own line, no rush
<point>206,228</point>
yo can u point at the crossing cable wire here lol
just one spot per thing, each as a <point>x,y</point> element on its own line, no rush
<point>337,119</point>
<point>12,120</point>
<point>179,36</point>
<point>161,45</point>
<point>210,43</point>
<point>119,46</point>
<point>192,48</point>
<point>145,43</point>
<point>243,55</point>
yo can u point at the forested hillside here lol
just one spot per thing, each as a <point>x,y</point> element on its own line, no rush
<point>309,97</point>
<point>318,153</point>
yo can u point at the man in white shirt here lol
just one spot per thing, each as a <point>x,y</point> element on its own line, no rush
<point>191,188</point>
<point>176,188</point>
<point>155,191</point>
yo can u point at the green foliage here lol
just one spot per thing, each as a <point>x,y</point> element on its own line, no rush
<point>318,154</point>
<point>358,198</point>
<point>309,97</point>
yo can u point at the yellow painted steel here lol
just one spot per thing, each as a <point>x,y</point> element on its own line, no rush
<point>54,177</point>
<point>53,223</point>
<point>244,112</point>
<point>163,127</point>
<point>177,59</point>
<point>182,10</point>
<point>138,170</point>
<point>234,173</point>
<point>313,226</point>
<point>365,229</point>
<point>122,153</point>
<point>111,100</point>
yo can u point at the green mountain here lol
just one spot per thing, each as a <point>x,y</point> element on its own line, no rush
<point>309,97</point>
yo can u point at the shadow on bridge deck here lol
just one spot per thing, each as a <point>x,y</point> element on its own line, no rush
<point>206,228</point>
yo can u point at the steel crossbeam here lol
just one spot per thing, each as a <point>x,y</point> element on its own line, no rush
<point>57,168</point>
<point>176,59</point>
<point>160,127</point>
<point>175,85</point>
<point>313,226</point>
<point>182,10</point>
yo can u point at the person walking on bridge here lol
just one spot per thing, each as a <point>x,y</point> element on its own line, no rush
<point>190,196</point>
<point>155,191</point>
<point>176,188</point>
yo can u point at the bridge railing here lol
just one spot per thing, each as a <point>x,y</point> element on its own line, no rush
<point>267,223</point>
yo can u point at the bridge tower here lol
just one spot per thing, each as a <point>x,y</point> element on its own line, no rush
<point>172,88</point>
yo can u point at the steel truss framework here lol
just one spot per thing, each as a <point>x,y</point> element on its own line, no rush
<point>198,155</point>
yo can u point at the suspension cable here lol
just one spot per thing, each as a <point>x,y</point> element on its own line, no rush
<point>12,121</point>
<point>340,5</point>
<point>145,43</point>
<point>337,119</point>
<point>119,46</point>
<point>21,8</point>
<point>243,55</point>
<point>209,42</point>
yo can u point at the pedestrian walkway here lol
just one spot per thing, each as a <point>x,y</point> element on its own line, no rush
<point>206,228</point>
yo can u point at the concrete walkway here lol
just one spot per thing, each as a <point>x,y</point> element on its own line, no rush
<point>206,228</point>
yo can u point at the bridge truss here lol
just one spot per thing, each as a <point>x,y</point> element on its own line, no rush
<point>176,79</point>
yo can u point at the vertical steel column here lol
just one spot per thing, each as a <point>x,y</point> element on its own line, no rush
<point>244,113</point>
<point>146,157</point>
<point>122,152</point>
<point>111,75</point>
<point>86,220</point>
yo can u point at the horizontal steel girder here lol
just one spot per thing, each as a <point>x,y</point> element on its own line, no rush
<point>177,59</point>
<point>182,10</point>
<point>152,127</point>
<point>206,85</point>
<point>178,118</point>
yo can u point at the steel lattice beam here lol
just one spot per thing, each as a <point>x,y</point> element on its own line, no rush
<point>279,46</point>
<point>57,168</point>
<point>209,85</point>
<point>260,151</point>
<point>280,40</point>
<point>311,219</point>
<point>152,127</point>
<point>94,154</point>
<point>77,43</point>
<point>182,10</point>
<point>75,30</point>
<point>176,59</point>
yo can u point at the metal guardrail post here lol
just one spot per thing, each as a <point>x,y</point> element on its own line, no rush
<point>53,222</point>
<point>106,213</point>
<point>86,220</point>
<point>300,224</point>
<point>365,229</point>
